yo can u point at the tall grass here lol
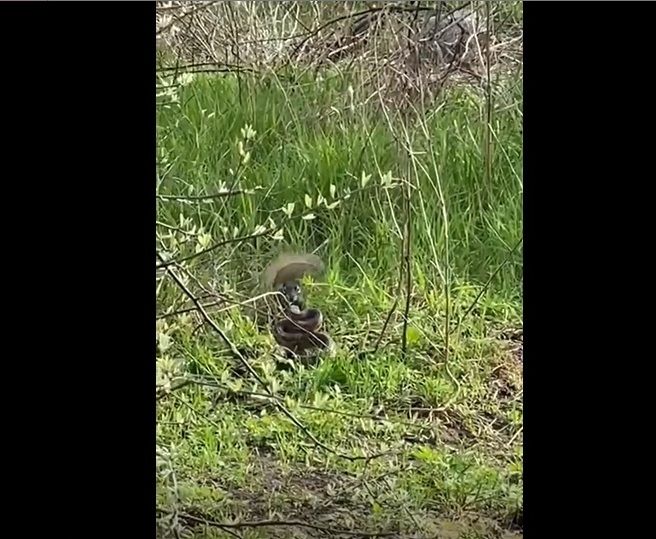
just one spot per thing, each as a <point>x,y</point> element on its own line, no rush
<point>314,138</point>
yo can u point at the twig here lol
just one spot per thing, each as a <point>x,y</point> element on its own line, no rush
<point>514,436</point>
<point>235,49</point>
<point>408,267</point>
<point>211,322</point>
<point>224,70</point>
<point>269,523</point>
<point>164,392</point>
<point>220,194</point>
<point>186,310</point>
<point>396,302</point>
<point>167,263</point>
<point>488,100</point>
<point>223,527</point>
<point>215,67</point>
<point>174,228</point>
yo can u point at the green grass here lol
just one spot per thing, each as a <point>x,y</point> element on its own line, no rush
<point>447,417</point>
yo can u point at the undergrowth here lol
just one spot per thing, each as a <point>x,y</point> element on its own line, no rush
<point>426,442</point>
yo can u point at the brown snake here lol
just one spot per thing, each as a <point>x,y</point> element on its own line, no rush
<point>298,329</point>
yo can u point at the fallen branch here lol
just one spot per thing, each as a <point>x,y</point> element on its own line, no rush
<point>270,523</point>
<point>164,392</point>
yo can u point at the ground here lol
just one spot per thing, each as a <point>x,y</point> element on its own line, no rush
<point>444,441</point>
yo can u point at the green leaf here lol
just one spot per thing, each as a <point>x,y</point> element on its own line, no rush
<point>289,209</point>
<point>413,335</point>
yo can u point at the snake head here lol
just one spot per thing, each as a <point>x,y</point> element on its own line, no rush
<point>293,293</point>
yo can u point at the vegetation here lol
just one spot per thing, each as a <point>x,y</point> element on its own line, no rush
<point>414,426</point>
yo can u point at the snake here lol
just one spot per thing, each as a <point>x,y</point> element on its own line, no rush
<point>298,329</point>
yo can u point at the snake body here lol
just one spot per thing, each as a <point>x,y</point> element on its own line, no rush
<point>298,329</point>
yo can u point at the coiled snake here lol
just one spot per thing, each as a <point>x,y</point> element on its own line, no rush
<point>297,330</point>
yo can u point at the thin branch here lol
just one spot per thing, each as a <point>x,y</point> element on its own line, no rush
<point>186,310</point>
<point>167,263</point>
<point>397,295</point>
<point>270,523</point>
<point>165,392</point>
<point>216,67</point>
<point>488,100</point>
<point>235,49</point>
<point>185,69</point>
<point>197,198</point>
<point>175,228</point>
<point>213,324</point>
<point>190,518</point>
<point>408,266</point>
<point>389,314</point>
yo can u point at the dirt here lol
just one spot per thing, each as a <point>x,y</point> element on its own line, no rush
<point>336,501</point>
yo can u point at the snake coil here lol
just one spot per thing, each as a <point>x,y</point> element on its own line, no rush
<point>298,329</point>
